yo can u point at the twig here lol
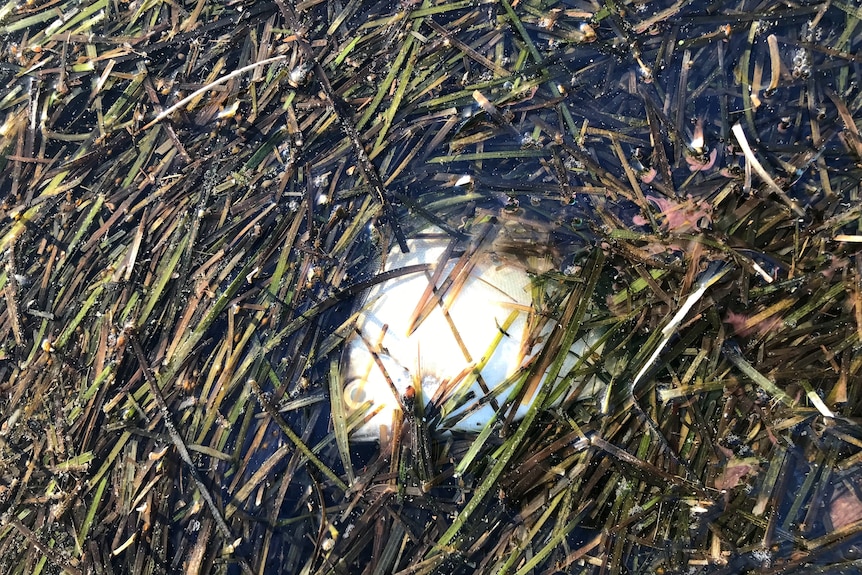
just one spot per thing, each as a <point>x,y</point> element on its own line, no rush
<point>178,442</point>
<point>369,171</point>
<point>49,554</point>
<point>168,111</point>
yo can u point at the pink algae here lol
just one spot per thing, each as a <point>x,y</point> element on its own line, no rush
<point>689,215</point>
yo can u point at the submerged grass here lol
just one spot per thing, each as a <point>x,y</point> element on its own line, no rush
<point>193,195</point>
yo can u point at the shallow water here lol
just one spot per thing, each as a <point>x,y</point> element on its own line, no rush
<point>623,146</point>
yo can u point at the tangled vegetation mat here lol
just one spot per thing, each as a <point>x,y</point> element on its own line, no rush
<point>195,194</point>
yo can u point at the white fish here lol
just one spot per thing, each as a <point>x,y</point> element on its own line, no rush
<point>478,324</point>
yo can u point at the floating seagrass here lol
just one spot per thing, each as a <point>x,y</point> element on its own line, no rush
<point>457,329</point>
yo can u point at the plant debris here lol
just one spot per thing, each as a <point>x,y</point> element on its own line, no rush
<point>194,196</point>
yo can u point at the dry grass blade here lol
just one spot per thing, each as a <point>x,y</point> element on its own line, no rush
<point>758,167</point>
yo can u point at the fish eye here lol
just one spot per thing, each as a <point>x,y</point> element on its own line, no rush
<point>354,393</point>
